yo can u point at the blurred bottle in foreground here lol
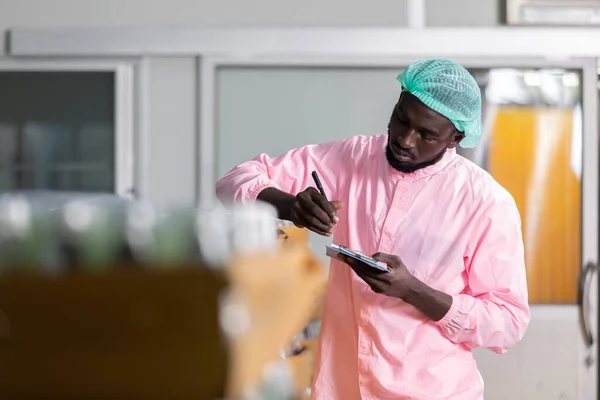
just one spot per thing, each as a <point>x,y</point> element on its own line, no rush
<point>27,239</point>
<point>54,232</point>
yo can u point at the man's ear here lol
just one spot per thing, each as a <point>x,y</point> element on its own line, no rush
<point>458,136</point>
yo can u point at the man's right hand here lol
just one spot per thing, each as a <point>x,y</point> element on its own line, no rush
<point>311,210</point>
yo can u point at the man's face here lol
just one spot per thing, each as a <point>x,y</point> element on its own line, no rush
<point>417,135</point>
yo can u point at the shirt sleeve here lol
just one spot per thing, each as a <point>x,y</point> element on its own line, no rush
<point>290,172</point>
<point>493,312</point>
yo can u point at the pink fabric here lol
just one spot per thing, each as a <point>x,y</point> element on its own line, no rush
<point>454,227</point>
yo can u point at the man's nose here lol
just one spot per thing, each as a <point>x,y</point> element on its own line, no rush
<point>409,139</point>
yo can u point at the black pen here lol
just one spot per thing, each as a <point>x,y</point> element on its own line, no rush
<point>320,188</point>
<point>318,183</point>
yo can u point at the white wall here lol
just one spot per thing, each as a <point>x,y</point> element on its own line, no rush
<point>193,13</point>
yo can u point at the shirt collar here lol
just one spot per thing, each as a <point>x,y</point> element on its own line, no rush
<point>448,157</point>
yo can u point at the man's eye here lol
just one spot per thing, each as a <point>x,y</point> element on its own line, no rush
<point>402,120</point>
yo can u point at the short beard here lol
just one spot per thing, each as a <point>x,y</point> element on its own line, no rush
<point>409,168</point>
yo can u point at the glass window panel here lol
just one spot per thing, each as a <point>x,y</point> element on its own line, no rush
<point>531,142</point>
<point>57,131</point>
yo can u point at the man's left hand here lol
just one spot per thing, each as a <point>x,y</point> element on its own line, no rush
<point>395,283</point>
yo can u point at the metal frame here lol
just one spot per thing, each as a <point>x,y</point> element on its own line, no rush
<point>589,190</point>
<point>207,129</point>
<point>124,105</point>
<point>379,42</point>
<point>139,184</point>
<point>415,13</point>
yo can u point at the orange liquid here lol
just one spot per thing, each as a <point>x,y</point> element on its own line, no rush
<point>530,155</point>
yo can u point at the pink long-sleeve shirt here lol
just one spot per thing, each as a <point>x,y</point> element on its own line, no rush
<point>455,228</point>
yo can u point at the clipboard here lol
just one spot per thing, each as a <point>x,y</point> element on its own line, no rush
<point>333,251</point>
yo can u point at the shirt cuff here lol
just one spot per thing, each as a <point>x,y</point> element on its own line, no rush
<point>253,192</point>
<point>459,307</point>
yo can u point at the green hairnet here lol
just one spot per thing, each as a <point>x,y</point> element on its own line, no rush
<point>449,89</point>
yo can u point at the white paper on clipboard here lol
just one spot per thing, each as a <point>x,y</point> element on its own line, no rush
<point>333,251</point>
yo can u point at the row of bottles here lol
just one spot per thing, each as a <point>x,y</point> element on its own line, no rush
<point>53,232</point>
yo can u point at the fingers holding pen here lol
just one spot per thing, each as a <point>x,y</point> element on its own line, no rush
<point>314,212</point>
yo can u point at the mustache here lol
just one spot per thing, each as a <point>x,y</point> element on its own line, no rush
<point>403,152</point>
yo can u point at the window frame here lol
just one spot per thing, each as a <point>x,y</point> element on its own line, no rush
<point>124,106</point>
